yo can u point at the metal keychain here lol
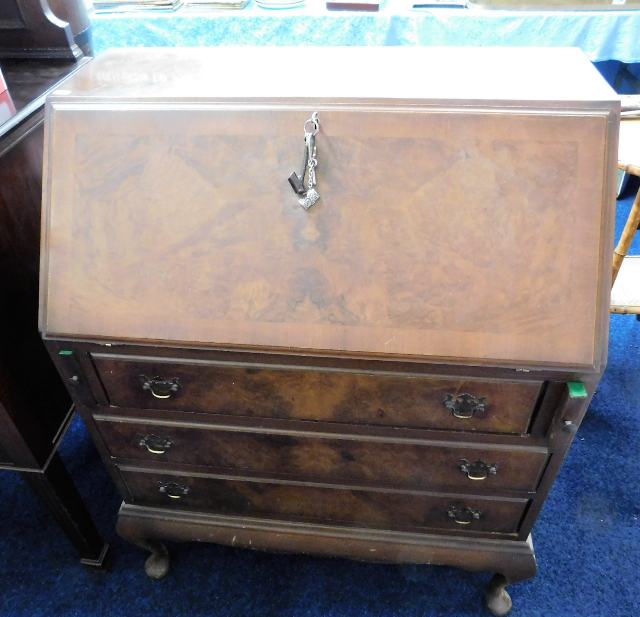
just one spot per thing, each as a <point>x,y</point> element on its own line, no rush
<point>310,195</point>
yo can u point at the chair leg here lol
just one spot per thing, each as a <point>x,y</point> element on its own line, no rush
<point>630,228</point>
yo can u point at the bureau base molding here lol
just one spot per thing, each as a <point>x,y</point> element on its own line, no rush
<point>512,560</point>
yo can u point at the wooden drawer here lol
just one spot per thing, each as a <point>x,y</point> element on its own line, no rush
<point>325,457</point>
<point>319,394</point>
<point>383,509</point>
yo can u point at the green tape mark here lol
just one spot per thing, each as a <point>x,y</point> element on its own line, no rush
<point>577,389</point>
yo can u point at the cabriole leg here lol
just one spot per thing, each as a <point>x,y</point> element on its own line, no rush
<point>157,564</point>
<point>497,597</point>
<point>512,570</point>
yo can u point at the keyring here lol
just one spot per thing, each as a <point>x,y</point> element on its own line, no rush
<point>313,121</point>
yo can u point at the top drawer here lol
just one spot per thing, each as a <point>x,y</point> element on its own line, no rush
<point>310,393</point>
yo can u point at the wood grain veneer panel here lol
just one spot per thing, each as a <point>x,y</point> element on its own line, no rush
<point>449,233</point>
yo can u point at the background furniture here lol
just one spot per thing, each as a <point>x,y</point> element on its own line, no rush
<point>625,295</point>
<point>30,29</point>
<point>35,408</point>
<point>370,378</point>
<point>75,12</point>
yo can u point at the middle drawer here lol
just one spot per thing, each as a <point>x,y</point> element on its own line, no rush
<point>399,462</point>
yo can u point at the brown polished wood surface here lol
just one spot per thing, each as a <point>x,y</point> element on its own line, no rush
<point>33,395</point>
<point>33,399</point>
<point>35,407</point>
<point>355,459</point>
<point>361,398</point>
<point>377,509</point>
<point>378,266</point>
<point>28,81</point>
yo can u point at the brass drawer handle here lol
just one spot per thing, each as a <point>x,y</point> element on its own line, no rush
<point>478,470</point>
<point>465,406</point>
<point>160,388</point>
<point>173,490</point>
<point>155,444</point>
<point>463,516</point>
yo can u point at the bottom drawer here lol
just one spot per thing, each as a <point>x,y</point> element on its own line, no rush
<point>383,509</point>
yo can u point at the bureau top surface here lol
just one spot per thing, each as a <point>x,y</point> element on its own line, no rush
<point>392,73</point>
<point>471,232</point>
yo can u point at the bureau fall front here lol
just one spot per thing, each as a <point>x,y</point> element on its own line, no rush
<point>359,312</point>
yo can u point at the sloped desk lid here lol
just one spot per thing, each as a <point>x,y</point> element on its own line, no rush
<point>458,221</point>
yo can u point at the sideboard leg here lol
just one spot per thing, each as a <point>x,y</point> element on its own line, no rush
<point>58,492</point>
<point>497,597</point>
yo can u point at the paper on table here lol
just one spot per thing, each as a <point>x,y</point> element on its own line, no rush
<point>121,6</point>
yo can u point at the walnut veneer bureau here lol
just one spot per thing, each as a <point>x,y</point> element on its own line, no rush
<point>394,373</point>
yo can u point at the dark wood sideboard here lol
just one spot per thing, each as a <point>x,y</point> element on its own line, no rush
<point>35,408</point>
<point>41,29</point>
<point>393,373</point>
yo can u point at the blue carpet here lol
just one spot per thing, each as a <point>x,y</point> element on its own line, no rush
<point>587,541</point>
